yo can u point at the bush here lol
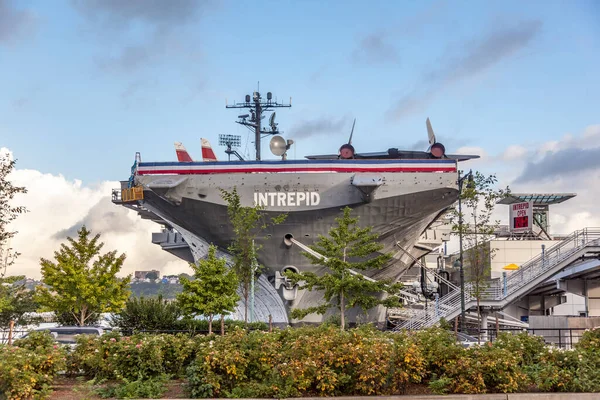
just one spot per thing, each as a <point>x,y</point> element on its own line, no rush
<point>306,361</point>
<point>152,313</point>
<point>590,340</point>
<point>152,388</point>
<point>485,369</point>
<point>529,348</point>
<point>438,347</point>
<point>28,368</point>
<point>141,356</point>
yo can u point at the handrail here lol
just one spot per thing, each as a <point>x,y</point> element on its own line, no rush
<point>494,289</point>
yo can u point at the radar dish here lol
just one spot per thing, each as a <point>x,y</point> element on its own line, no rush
<point>278,145</point>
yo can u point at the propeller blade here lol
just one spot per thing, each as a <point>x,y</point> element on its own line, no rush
<point>430,133</point>
<point>352,132</point>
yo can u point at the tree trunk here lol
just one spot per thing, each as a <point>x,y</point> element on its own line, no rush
<point>222,325</point>
<point>342,300</point>
<point>246,295</point>
<point>343,311</point>
<point>478,321</point>
<point>210,319</point>
<point>11,326</point>
<point>82,316</point>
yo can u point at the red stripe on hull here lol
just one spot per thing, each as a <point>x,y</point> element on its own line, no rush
<point>250,170</point>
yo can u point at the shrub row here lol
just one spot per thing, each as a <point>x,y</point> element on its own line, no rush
<point>320,361</point>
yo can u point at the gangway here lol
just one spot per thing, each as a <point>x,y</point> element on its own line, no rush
<point>499,293</point>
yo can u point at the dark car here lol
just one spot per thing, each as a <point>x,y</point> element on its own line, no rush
<point>466,340</point>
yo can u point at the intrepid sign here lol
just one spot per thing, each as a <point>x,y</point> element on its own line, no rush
<point>287,199</point>
<point>521,217</point>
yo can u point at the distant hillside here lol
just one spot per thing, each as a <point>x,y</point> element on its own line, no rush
<point>152,289</point>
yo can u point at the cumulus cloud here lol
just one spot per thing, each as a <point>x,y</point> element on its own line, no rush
<point>14,23</point>
<point>572,155</point>
<point>59,207</point>
<point>478,56</point>
<point>318,126</point>
<point>561,163</point>
<point>567,165</point>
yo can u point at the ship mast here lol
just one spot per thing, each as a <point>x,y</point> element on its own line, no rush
<point>252,121</point>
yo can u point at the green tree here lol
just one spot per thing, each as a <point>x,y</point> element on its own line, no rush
<point>82,281</point>
<point>247,223</point>
<point>478,228</point>
<point>152,313</point>
<point>213,290</point>
<point>20,302</point>
<point>347,249</point>
<point>8,213</point>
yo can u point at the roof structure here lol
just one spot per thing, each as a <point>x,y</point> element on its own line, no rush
<point>540,199</point>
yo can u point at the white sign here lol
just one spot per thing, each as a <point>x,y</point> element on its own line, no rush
<point>287,199</point>
<point>521,217</point>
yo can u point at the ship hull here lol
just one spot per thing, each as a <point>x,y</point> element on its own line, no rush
<point>399,199</point>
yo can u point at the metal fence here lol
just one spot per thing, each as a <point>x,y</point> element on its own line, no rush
<point>16,334</point>
<point>564,338</point>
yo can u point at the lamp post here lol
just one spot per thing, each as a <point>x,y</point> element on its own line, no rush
<point>468,176</point>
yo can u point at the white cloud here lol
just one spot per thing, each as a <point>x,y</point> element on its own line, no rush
<point>57,208</point>
<point>514,152</point>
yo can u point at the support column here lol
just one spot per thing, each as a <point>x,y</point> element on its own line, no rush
<point>586,297</point>
<point>484,326</point>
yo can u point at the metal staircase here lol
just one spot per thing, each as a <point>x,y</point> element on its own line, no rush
<point>498,293</point>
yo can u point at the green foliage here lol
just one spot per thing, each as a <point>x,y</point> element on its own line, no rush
<point>321,361</point>
<point>141,356</point>
<point>213,291</point>
<point>590,340</point>
<point>28,368</point>
<point>151,388</point>
<point>530,348</point>
<point>19,302</point>
<point>438,347</point>
<point>326,361</point>
<point>82,281</point>
<point>347,249</point>
<point>8,213</point>
<point>142,313</point>
<point>67,318</point>
<point>247,222</point>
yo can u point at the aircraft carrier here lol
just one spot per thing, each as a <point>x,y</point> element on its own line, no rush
<point>398,193</point>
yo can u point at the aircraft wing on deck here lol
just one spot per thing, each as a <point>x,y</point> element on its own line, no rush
<point>394,154</point>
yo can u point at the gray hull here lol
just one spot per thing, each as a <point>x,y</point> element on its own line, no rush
<point>400,207</point>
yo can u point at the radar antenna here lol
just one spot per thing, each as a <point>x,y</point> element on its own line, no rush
<point>257,106</point>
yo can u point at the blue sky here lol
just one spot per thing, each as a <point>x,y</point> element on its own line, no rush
<point>86,84</point>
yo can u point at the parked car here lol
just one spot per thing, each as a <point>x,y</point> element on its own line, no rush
<point>67,334</point>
